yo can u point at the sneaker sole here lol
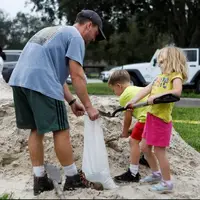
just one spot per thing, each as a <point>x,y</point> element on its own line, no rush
<point>149,183</point>
<point>118,181</point>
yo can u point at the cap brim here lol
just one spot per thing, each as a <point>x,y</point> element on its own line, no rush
<point>101,35</point>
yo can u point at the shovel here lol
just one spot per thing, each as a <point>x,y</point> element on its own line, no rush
<point>166,98</point>
<point>54,175</point>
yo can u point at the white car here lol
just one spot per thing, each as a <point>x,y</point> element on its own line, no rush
<point>104,76</point>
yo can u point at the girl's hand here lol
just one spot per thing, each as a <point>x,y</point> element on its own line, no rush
<point>151,99</point>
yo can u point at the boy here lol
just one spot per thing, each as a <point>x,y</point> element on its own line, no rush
<point>119,81</point>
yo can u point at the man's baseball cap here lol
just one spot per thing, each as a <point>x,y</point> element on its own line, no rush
<point>95,19</point>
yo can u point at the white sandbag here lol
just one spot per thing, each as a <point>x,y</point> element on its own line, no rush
<point>95,158</point>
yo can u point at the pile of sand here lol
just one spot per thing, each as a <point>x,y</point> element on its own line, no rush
<point>16,172</point>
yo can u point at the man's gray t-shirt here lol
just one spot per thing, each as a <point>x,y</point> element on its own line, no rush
<point>42,65</point>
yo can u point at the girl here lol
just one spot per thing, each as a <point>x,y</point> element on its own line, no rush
<point>158,128</point>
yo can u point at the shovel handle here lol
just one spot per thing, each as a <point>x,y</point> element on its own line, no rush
<point>138,105</point>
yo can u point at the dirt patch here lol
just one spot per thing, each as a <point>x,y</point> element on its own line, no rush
<point>16,172</point>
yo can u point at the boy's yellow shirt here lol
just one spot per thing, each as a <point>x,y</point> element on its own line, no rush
<point>162,84</point>
<point>128,94</point>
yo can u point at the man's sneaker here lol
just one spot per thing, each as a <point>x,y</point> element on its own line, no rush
<point>79,181</point>
<point>162,187</point>
<point>151,179</point>
<point>127,177</point>
<point>42,184</point>
<point>143,161</point>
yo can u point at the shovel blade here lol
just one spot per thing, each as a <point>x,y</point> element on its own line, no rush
<point>108,114</point>
<point>53,172</point>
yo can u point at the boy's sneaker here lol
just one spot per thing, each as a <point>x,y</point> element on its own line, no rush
<point>143,161</point>
<point>151,179</point>
<point>162,187</point>
<point>79,181</point>
<point>42,184</point>
<point>127,177</point>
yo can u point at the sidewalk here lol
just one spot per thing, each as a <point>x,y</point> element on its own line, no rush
<point>188,102</point>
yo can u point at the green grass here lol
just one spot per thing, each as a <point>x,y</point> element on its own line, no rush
<point>189,132</point>
<point>97,89</point>
<point>102,89</point>
<point>190,94</point>
<point>6,196</point>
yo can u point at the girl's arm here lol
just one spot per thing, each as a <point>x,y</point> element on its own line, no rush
<point>140,95</point>
<point>177,90</point>
<point>127,123</point>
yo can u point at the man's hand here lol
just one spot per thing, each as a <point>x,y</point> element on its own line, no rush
<point>93,113</point>
<point>77,109</point>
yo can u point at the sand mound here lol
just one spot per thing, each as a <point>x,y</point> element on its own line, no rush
<point>16,172</point>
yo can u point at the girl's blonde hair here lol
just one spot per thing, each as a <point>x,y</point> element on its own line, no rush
<point>173,59</point>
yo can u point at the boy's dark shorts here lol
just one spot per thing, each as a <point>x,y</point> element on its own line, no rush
<point>36,111</point>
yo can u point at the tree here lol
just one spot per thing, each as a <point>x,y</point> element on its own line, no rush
<point>22,28</point>
<point>5,25</point>
<point>178,18</point>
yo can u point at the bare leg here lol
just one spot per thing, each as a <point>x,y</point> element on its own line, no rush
<point>135,151</point>
<point>36,148</point>
<point>161,155</point>
<point>147,150</point>
<point>63,147</point>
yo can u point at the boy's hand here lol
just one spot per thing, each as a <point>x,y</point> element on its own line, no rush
<point>124,135</point>
<point>130,104</point>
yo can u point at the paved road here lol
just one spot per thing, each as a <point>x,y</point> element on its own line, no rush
<point>188,102</point>
<point>94,80</point>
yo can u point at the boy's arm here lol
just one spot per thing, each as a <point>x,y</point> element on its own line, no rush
<point>127,123</point>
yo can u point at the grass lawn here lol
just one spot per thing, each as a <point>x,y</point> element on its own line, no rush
<point>188,130</point>
<point>5,196</point>
<point>103,89</point>
<point>97,89</point>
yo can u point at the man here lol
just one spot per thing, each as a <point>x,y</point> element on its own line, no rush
<point>39,89</point>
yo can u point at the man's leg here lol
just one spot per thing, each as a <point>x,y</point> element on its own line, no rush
<point>36,150</point>
<point>63,149</point>
<point>25,119</point>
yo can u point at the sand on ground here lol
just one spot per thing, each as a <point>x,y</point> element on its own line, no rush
<point>16,172</point>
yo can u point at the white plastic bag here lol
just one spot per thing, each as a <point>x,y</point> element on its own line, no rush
<point>95,159</point>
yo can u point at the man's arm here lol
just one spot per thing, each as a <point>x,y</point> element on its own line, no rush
<point>79,83</point>
<point>67,94</point>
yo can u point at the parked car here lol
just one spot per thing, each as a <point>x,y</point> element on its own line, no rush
<point>104,76</point>
<point>144,73</point>
<point>12,57</point>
